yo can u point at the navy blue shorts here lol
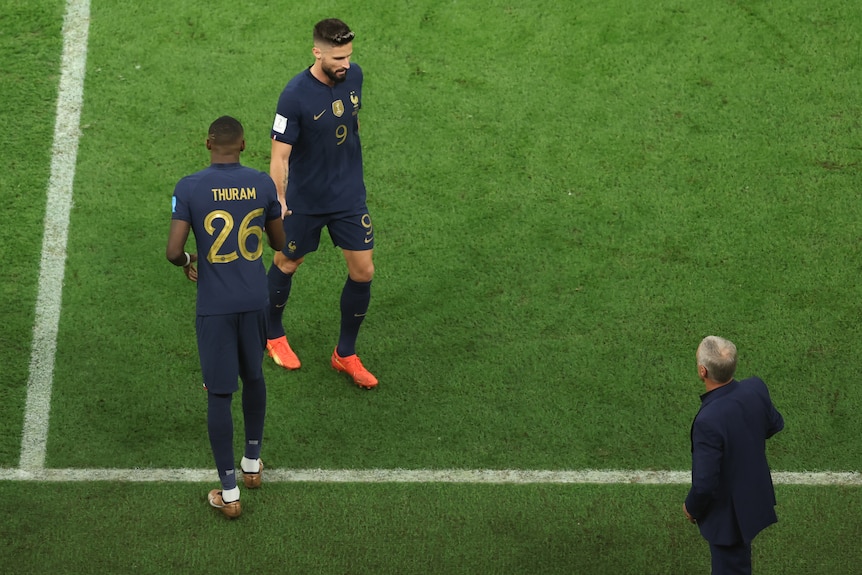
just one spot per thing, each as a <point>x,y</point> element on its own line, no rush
<point>348,230</point>
<point>231,346</point>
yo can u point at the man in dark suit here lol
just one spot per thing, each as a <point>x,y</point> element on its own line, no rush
<point>731,497</point>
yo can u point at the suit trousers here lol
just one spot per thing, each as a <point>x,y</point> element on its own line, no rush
<point>731,559</point>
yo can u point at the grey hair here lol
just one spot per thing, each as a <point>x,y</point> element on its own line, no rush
<point>718,356</point>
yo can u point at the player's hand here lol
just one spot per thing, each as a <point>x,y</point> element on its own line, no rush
<point>190,270</point>
<point>284,210</point>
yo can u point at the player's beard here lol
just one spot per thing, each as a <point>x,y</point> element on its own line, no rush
<point>334,77</point>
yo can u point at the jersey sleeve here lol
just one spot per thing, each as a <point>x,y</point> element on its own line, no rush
<point>285,127</point>
<point>179,204</point>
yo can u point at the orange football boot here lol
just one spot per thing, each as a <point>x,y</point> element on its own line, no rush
<point>354,368</point>
<point>280,352</point>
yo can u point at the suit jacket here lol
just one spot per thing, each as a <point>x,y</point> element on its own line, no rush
<point>731,495</point>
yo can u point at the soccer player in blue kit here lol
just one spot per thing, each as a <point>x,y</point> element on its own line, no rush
<point>316,165</point>
<point>229,207</point>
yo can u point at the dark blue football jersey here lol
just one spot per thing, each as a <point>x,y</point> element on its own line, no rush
<point>227,206</point>
<point>321,123</point>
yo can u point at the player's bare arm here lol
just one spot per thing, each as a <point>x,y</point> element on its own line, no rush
<point>275,234</point>
<point>175,252</point>
<point>278,167</point>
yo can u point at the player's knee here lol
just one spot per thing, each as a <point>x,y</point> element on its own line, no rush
<point>362,274</point>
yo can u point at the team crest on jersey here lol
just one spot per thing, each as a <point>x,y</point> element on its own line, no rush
<point>338,108</point>
<point>354,99</point>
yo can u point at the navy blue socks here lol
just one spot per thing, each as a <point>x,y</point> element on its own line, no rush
<point>253,413</point>
<point>220,427</point>
<point>279,290</point>
<point>355,298</point>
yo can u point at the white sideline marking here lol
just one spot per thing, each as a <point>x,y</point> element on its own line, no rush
<point>53,263</point>
<point>494,476</point>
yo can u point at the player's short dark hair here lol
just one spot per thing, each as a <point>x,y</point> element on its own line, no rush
<point>333,31</point>
<point>225,131</point>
